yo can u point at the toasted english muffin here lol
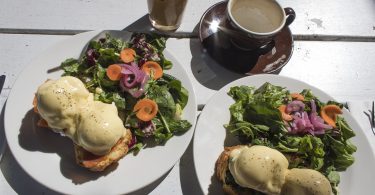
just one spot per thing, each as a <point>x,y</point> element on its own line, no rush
<point>99,163</point>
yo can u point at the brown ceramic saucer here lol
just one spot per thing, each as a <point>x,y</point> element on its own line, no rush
<point>212,28</point>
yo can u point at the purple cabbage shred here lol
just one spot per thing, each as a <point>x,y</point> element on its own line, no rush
<point>147,127</point>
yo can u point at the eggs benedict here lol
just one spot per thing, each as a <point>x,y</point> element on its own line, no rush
<point>247,169</point>
<point>306,182</point>
<point>258,167</point>
<point>93,126</point>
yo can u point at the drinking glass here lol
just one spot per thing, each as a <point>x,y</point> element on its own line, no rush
<point>166,15</point>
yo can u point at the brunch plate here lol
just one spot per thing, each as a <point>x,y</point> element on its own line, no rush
<point>49,158</point>
<point>211,137</point>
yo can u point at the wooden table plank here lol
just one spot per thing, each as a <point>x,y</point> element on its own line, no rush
<point>16,51</point>
<point>314,17</point>
<point>342,69</point>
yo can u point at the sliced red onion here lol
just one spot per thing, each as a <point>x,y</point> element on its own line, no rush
<point>126,71</point>
<point>313,106</point>
<point>143,82</point>
<point>295,106</point>
<point>134,64</point>
<point>307,120</point>
<point>297,115</point>
<point>130,75</point>
<point>317,121</point>
<point>133,80</point>
<point>303,123</point>
<point>129,80</point>
<point>319,132</point>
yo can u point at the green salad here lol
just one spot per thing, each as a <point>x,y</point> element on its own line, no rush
<point>310,133</point>
<point>128,72</point>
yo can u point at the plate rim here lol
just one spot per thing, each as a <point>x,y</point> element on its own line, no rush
<point>90,35</point>
<point>266,78</point>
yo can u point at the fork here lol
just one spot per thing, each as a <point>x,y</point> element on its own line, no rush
<point>371,116</point>
<point>2,145</point>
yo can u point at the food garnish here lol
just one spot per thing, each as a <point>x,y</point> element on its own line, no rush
<point>145,109</point>
<point>127,55</point>
<point>152,69</point>
<point>329,114</point>
<point>114,72</point>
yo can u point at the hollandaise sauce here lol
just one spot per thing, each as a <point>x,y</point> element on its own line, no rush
<point>69,108</point>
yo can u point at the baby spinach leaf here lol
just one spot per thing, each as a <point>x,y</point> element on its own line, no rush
<point>164,99</point>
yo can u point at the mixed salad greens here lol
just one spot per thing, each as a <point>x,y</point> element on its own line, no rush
<point>114,70</point>
<point>310,133</point>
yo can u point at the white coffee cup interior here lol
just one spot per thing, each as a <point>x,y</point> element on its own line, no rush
<point>258,17</point>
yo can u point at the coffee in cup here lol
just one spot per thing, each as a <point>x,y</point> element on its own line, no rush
<point>254,23</point>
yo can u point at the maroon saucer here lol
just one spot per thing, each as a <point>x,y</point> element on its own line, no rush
<point>213,33</point>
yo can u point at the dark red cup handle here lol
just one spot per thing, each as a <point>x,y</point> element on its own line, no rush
<point>290,15</point>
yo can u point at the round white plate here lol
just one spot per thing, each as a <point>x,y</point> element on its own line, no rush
<point>210,138</point>
<point>49,158</point>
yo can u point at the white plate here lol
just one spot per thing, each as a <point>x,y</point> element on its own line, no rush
<point>210,135</point>
<point>49,158</point>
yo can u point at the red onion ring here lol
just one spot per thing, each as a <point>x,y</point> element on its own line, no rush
<point>133,80</point>
<point>130,75</point>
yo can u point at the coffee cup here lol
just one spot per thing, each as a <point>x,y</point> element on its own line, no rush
<point>253,24</point>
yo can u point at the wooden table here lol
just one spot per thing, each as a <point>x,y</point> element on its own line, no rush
<point>334,50</point>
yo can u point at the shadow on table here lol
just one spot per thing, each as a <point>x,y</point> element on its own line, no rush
<point>141,25</point>
<point>44,140</point>
<point>2,132</point>
<point>206,70</point>
<point>188,176</point>
<point>16,177</point>
<point>189,179</point>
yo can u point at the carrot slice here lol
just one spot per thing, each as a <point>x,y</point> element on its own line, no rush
<point>329,114</point>
<point>284,115</point>
<point>114,72</point>
<point>35,104</point>
<point>127,55</point>
<point>297,96</point>
<point>146,109</point>
<point>152,68</point>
